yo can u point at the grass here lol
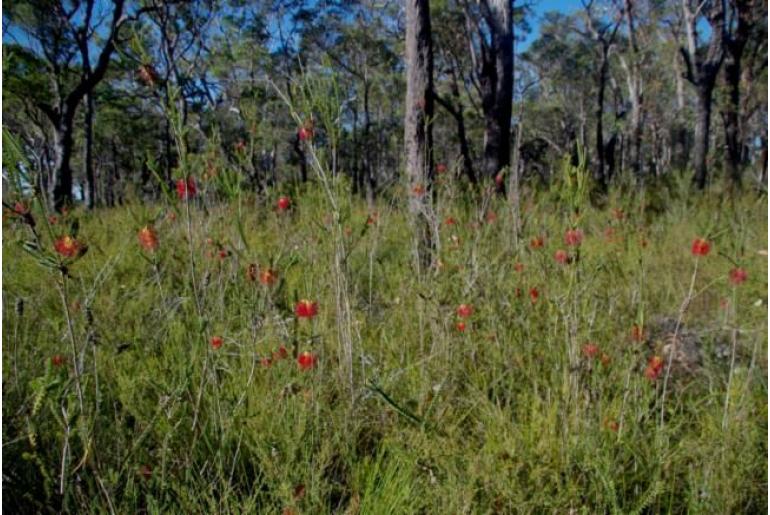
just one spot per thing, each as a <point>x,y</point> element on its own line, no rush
<point>508,416</point>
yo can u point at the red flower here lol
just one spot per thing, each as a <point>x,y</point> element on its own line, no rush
<point>590,350</point>
<point>533,294</point>
<point>561,257</point>
<point>305,132</point>
<point>450,221</point>
<point>440,168</point>
<point>654,368</point>
<point>738,276</point>
<point>306,361</point>
<point>148,238</point>
<point>216,342</point>
<point>499,180</point>
<point>284,203</point>
<point>68,246</point>
<point>536,242</point>
<point>460,327</point>
<point>268,276</point>
<point>700,247</point>
<point>418,190</point>
<point>519,267</point>
<point>223,253</point>
<point>20,209</point>
<point>637,333</point>
<point>186,189</point>
<point>58,360</point>
<point>306,309</point>
<point>612,425</point>
<point>53,220</point>
<point>464,310</point>
<point>573,237</point>
<point>266,361</point>
<point>281,353</point>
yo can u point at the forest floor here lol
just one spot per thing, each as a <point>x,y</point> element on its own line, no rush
<point>527,373</point>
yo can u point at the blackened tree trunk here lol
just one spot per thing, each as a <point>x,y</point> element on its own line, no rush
<point>418,132</point>
<point>497,87</point>
<point>63,146</point>
<point>702,67</point>
<point>90,194</point>
<point>702,131</point>
<point>600,175</point>
<point>735,44</point>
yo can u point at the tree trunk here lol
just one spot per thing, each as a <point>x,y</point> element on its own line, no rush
<point>63,145</point>
<point>599,172</point>
<point>733,140</point>
<point>702,127</point>
<point>89,157</point>
<point>418,131</point>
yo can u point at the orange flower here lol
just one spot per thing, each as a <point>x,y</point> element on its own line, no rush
<point>418,190</point>
<point>216,342</point>
<point>700,247</point>
<point>536,242</point>
<point>464,310</point>
<point>460,327</point>
<point>306,360</point>
<point>654,368</point>
<point>68,246</point>
<point>148,238</point>
<point>306,309</point>
<point>268,276</point>
<point>637,333</point>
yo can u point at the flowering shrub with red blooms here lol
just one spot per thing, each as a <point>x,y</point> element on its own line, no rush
<point>533,294</point>
<point>590,350</point>
<point>440,168</point>
<point>58,360</point>
<point>68,246</point>
<point>464,310</point>
<point>460,327</point>
<point>216,342</point>
<point>305,132</point>
<point>306,360</point>
<point>536,242</point>
<point>573,237</point>
<point>306,309</point>
<point>700,247</point>
<point>418,190</point>
<point>283,203</point>
<point>654,368</point>
<point>738,276</point>
<point>561,257</point>
<point>450,221</point>
<point>268,277</point>
<point>519,267</point>
<point>637,333</point>
<point>186,189</point>
<point>148,238</point>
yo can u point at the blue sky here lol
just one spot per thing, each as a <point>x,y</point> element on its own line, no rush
<point>539,9</point>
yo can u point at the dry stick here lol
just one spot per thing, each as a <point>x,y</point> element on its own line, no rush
<point>732,361</point>
<point>682,310</point>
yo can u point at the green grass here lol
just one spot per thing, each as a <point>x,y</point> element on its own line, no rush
<point>505,417</point>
